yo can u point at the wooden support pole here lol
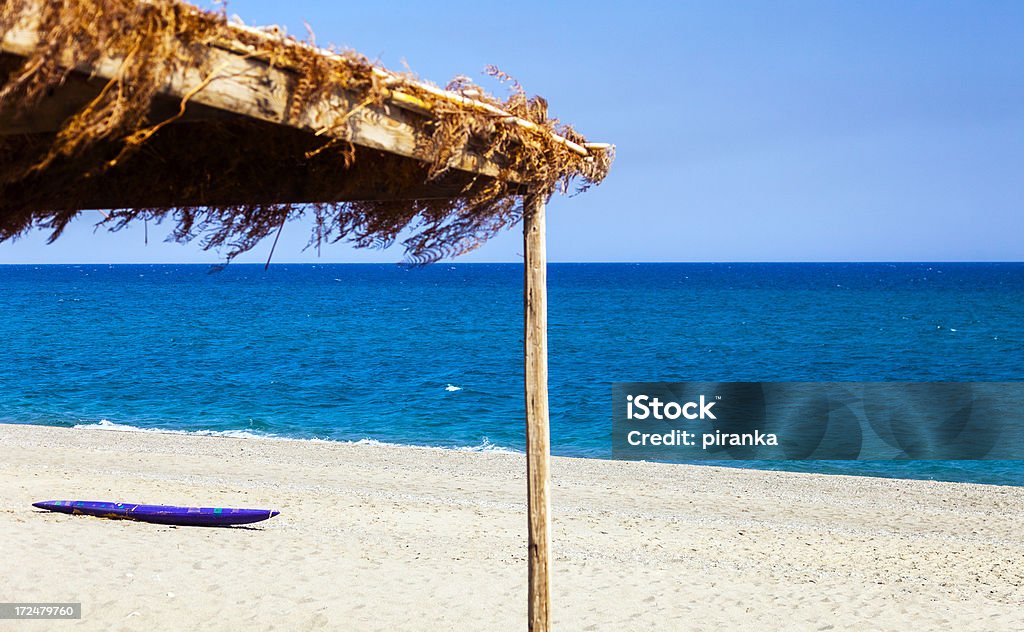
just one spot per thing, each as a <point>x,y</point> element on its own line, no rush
<point>538,456</point>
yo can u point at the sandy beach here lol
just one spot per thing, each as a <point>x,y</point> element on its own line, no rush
<point>374,537</point>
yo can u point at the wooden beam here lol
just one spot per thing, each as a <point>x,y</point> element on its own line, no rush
<point>396,82</point>
<point>74,93</point>
<point>538,453</point>
<point>236,83</point>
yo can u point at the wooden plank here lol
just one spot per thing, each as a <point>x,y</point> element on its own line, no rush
<point>538,455</point>
<point>251,87</point>
<point>74,93</point>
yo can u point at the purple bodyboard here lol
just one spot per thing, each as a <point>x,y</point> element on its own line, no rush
<point>160,514</point>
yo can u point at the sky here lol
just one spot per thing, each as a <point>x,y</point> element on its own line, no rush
<point>745,131</point>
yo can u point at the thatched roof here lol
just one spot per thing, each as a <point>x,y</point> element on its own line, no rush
<point>157,110</point>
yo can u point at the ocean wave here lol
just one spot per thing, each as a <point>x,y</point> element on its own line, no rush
<point>106,424</point>
<point>485,444</point>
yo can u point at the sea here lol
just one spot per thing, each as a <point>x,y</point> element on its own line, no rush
<point>432,356</point>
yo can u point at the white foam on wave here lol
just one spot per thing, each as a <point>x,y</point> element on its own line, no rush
<point>451,388</point>
<point>105,424</point>
<point>485,444</point>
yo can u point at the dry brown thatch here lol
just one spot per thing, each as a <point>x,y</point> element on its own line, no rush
<point>232,180</point>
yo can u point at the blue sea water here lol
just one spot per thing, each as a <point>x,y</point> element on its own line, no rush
<point>433,356</point>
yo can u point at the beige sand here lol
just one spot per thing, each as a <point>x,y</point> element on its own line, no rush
<point>385,538</point>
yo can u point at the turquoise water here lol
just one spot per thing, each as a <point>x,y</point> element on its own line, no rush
<point>433,356</point>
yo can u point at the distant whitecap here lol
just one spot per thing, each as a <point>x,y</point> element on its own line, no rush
<point>451,388</point>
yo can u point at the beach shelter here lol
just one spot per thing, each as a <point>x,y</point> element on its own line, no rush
<point>155,111</point>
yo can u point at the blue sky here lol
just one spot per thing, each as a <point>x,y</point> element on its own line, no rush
<point>746,131</point>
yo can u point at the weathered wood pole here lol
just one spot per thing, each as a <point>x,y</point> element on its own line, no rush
<point>538,454</point>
